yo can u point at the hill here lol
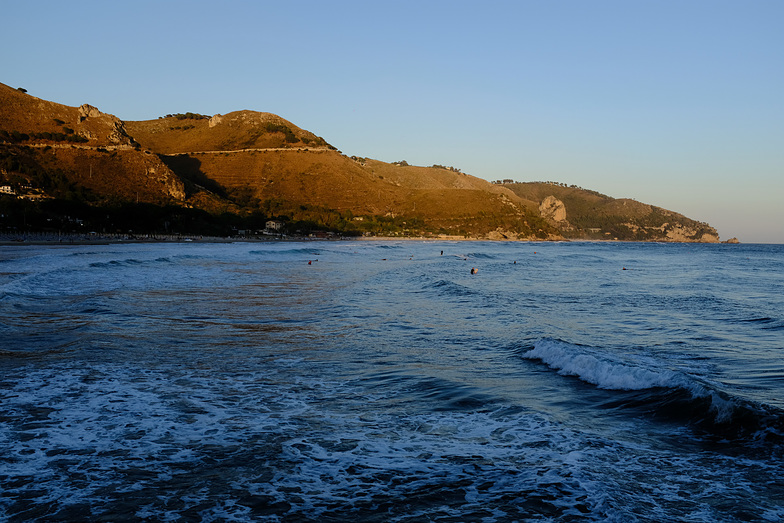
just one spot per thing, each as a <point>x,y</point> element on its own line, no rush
<point>66,166</point>
<point>585,214</point>
<point>241,130</point>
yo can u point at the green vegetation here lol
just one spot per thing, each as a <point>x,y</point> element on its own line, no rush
<point>592,215</point>
<point>450,168</point>
<point>188,116</point>
<point>244,197</point>
<point>70,216</point>
<point>17,137</point>
<point>75,216</point>
<point>189,170</point>
<point>22,171</point>
<point>272,127</point>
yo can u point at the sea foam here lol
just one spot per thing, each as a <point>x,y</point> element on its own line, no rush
<point>603,370</point>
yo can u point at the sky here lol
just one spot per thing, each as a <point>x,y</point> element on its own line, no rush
<point>679,104</point>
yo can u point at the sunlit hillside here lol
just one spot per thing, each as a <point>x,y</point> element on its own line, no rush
<point>221,174</point>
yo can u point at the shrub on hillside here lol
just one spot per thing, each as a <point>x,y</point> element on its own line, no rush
<point>272,127</point>
<point>187,116</point>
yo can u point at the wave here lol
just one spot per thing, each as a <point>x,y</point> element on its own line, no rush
<point>480,256</point>
<point>759,320</point>
<point>600,369</point>
<point>301,250</point>
<point>582,258</point>
<point>438,394</point>
<point>117,263</point>
<point>285,254</point>
<point>643,384</point>
<point>765,323</point>
<point>449,288</point>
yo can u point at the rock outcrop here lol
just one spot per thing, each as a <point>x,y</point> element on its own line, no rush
<point>682,233</point>
<point>87,111</point>
<point>553,209</point>
<point>94,124</point>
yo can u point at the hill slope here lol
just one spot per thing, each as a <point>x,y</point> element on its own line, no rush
<point>583,214</point>
<point>63,150</point>
<point>237,170</point>
<point>190,132</point>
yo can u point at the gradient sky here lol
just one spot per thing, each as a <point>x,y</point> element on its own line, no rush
<point>679,104</point>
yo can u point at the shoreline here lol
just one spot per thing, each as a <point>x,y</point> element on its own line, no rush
<point>51,240</point>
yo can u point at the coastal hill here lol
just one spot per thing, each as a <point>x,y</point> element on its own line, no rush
<point>585,214</point>
<point>64,167</point>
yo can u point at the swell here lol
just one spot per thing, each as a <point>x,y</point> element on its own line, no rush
<point>73,278</point>
<point>765,323</point>
<point>643,385</point>
<point>437,394</point>
<point>480,256</point>
<point>130,262</point>
<point>449,289</point>
<point>285,252</point>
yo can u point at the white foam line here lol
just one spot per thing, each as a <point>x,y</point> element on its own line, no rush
<point>602,371</point>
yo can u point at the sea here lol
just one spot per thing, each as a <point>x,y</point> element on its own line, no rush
<point>387,381</point>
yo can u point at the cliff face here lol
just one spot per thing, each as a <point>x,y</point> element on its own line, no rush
<point>553,209</point>
<point>249,163</point>
<point>102,128</point>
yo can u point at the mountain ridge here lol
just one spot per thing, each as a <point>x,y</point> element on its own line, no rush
<point>234,171</point>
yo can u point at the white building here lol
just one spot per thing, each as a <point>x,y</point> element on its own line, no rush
<point>275,225</point>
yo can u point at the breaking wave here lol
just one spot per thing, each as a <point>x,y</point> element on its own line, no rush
<point>643,384</point>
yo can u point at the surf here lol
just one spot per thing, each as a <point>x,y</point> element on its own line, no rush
<point>643,384</point>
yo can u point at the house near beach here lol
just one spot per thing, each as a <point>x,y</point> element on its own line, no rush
<point>274,226</point>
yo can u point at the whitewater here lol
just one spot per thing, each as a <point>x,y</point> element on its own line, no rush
<point>387,381</point>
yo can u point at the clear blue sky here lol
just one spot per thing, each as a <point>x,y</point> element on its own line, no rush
<point>679,104</point>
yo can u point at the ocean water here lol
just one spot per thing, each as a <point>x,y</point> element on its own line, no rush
<point>382,381</point>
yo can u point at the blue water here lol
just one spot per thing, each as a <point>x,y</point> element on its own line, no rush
<point>372,381</point>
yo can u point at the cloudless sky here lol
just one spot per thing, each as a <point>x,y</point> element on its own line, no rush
<point>679,103</point>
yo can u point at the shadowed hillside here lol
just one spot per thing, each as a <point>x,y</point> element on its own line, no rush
<point>232,172</point>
